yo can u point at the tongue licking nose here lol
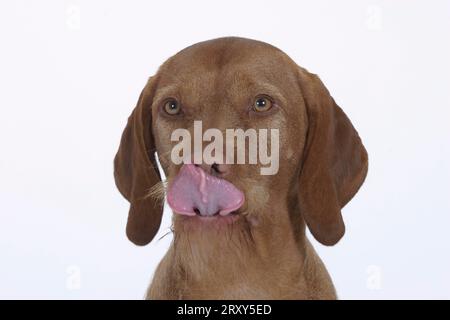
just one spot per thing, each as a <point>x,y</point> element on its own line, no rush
<point>195,191</point>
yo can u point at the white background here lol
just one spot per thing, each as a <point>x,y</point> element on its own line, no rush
<point>71,72</point>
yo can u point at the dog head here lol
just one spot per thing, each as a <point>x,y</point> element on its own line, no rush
<point>235,83</point>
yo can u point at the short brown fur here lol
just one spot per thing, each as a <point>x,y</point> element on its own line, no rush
<point>264,254</point>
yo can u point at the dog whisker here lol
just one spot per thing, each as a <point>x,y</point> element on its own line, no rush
<point>158,191</point>
<point>167,233</point>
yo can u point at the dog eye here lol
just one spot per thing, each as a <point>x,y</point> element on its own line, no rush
<point>262,104</point>
<point>172,107</point>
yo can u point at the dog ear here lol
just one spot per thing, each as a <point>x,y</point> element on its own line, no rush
<point>136,171</point>
<point>334,163</point>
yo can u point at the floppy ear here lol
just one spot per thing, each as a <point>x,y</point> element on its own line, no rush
<point>334,162</point>
<point>135,171</point>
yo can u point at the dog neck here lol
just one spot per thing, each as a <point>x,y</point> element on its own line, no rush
<point>241,255</point>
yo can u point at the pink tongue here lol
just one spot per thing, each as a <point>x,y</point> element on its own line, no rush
<point>193,189</point>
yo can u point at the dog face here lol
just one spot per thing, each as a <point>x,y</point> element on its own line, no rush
<point>235,83</point>
<point>222,87</point>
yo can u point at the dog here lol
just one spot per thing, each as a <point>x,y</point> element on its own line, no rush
<point>250,244</point>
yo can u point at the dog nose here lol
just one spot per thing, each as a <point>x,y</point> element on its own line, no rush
<point>215,169</point>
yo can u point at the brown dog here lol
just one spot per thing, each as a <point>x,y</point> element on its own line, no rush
<point>259,251</point>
